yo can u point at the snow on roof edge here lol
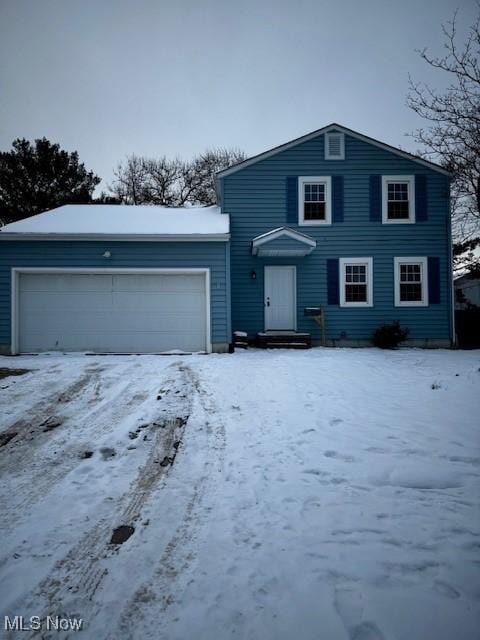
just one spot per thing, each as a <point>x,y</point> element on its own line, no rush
<point>119,220</point>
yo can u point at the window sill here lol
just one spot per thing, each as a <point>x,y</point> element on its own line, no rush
<point>411,304</point>
<point>409,221</point>
<point>356,305</point>
<point>314,223</point>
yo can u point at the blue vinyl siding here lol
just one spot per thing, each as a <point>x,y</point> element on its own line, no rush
<point>256,200</point>
<point>152,255</point>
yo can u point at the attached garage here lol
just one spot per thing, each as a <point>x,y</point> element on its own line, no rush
<point>113,311</point>
<point>115,279</point>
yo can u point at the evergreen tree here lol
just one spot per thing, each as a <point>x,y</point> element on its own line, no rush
<point>39,176</point>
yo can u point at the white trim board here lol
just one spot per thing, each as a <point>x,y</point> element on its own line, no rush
<point>17,271</point>
<point>291,233</point>
<point>318,132</point>
<point>117,237</point>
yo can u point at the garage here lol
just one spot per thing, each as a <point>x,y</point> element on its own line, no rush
<point>116,279</point>
<point>112,311</point>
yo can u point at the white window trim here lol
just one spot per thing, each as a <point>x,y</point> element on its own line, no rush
<point>342,146</point>
<point>410,180</point>
<point>423,262</point>
<point>327,181</point>
<point>369,263</point>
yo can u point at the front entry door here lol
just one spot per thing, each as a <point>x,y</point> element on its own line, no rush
<point>280,299</point>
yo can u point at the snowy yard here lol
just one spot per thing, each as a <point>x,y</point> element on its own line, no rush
<point>325,494</point>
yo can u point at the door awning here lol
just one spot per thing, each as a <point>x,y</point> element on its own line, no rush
<point>283,242</point>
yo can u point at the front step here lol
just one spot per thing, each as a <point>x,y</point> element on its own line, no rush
<point>283,340</point>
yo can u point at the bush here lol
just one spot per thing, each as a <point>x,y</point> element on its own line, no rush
<point>389,336</point>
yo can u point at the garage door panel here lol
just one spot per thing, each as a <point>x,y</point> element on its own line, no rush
<point>84,321</point>
<point>112,313</point>
<point>159,283</point>
<point>59,301</point>
<point>65,282</point>
<point>184,302</point>
<point>150,322</point>
<point>114,342</point>
<point>47,322</point>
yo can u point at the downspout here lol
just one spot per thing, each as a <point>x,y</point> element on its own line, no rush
<point>453,333</point>
<point>228,292</point>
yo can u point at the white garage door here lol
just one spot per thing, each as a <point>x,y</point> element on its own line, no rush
<point>116,313</point>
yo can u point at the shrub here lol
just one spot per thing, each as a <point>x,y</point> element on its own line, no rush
<point>389,336</point>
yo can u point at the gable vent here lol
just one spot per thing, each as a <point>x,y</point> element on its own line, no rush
<point>334,146</point>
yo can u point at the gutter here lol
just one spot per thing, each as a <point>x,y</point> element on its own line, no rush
<point>117,237</point>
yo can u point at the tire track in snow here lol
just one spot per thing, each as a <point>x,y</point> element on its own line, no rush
<point>171,574</point>
<point>33,467</point>
<point>25,431</point>
<point>74,581</point>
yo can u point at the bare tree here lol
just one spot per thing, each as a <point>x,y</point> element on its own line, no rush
<point>172,182</point>
<point>129,185</point>
<point>452,136</point>
<point>161,178</point>
<point>207,165</point>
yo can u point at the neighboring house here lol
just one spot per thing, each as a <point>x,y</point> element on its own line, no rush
<point>467,291</point>
<point>334,220</point>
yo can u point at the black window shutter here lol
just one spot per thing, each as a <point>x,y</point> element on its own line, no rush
<point>375,198</point>
<point>421,211</point>
<point>433,280</point>
<point>333,281</point>
<point>337,198</point>
<point>292,199</point>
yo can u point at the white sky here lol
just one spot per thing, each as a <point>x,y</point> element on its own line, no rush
<point>113,77</point>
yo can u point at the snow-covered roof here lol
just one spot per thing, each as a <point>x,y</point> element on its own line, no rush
<point>148,222</point>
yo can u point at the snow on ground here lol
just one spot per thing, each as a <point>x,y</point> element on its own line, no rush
<point>328,493</point>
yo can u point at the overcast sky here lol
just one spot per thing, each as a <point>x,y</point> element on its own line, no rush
<point>153,77</point>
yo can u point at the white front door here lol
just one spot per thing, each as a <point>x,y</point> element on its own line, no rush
<point>280,298</point>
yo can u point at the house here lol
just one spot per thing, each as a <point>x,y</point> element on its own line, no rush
<point>333,220</point>
<point>339,220</point>
<point>467,291</point>
<point>467,310</point>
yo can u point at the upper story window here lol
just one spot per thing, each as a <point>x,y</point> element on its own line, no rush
<point>411,282</point>
<point>356,282</point>
<point>314,200</point>
<point>398,199</point>
<point>334,146</point>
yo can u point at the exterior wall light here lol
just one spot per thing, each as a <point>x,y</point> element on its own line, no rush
<point>106,254</point>
<point>253,274</point>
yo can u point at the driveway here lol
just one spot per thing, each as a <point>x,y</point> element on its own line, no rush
<point>270,495</point>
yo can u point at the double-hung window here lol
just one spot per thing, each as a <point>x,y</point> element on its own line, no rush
<point>398,199</point>
<point>411,282</point>
<point>314,200</point>
<point>356,277</point>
